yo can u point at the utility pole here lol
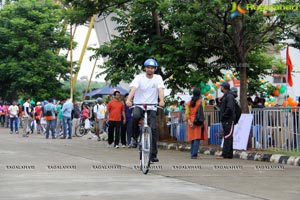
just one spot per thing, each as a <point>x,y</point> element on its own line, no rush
<point>91,25</point>
<point>71,63</point>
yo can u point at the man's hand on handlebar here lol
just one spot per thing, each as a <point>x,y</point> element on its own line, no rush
<point>161,103</point>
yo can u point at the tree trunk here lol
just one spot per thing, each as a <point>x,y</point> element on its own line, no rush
<point>156,22</point>
<point>163,130</point>
<point>242,55</point>
<point>243,88</point>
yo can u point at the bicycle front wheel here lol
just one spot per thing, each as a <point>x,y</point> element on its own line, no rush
<point>145,151</point>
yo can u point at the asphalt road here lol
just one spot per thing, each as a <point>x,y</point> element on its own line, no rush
<point>36,168</point>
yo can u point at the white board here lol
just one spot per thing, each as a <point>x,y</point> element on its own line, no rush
<point>241,132</point>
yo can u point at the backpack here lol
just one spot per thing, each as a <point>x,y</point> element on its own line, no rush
<point>238,112</point>
<point>47,112</point>
<point>199,117</point>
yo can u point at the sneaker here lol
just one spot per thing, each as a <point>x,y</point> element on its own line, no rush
<point>117,146</point>
<point>133,143</point>
<point>154,160</point>
<point>196,157</point>
<point>11,132</point>
<point>110,145</point>
<point>222,157</point>
<point>17,132</point>
<point>123,146</point>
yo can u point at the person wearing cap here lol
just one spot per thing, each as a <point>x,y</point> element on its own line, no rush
<point>75,116</point>
<point>99,115</point>
<point>227,115</point>
<point>235,92</point>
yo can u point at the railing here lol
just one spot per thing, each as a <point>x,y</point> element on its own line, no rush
<point>276,128</point>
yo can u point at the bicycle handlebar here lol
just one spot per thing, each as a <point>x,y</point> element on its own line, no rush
<point>145,105</point>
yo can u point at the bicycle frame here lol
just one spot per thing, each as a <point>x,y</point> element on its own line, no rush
<point>145,146</point>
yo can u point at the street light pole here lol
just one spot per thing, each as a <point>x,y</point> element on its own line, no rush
<point>71,64</point>
<point>90,79</point>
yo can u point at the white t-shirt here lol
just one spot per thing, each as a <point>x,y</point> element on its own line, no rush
<point>147,89</point>
<point>100,111</point>
<point>26,105</point>
<point>13,110</point>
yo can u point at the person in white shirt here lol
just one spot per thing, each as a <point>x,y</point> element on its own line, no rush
<point>26,118</point>
<point>13,115</point>
<point>146,88</point>
<point>99,115</point>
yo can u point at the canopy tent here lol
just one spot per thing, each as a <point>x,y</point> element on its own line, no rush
<point>106,90</point>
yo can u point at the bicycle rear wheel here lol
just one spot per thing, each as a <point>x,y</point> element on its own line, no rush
<point>79,130</point>
<point>145,151</point>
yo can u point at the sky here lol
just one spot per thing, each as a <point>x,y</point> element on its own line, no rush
<point>86,65</point>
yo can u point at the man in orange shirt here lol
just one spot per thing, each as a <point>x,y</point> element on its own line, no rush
<point>115,110</point>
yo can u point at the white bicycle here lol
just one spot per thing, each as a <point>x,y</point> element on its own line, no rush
<point>145,145</point>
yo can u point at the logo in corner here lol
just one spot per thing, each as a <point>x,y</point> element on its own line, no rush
<point>236,10</point>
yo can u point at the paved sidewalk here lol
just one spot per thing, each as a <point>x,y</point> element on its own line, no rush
<point>245,155</point>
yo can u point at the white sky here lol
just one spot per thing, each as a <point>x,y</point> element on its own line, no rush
<point>86,65</point>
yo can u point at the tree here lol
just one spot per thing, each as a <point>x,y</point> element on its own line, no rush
<point>194,40</point>
<point>81,86</point>
<point>31,32</point>
<point>144,34</point>
<point>82,11</point>
<point>238,40</point>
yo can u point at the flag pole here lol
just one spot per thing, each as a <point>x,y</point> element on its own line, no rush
<point>287,71</point>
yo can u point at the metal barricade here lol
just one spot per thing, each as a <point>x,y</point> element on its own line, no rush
<point>213,125</point>
<point>178,126</point>
<point>276,128</point>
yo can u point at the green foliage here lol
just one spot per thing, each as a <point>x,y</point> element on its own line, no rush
<point>194,42</point>
<point>81,86</point>
<point>81,11</point>
<point>30,36</point>
<point>141,38</point>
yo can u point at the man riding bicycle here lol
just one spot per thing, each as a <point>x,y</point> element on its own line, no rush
<point>146,88</point>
